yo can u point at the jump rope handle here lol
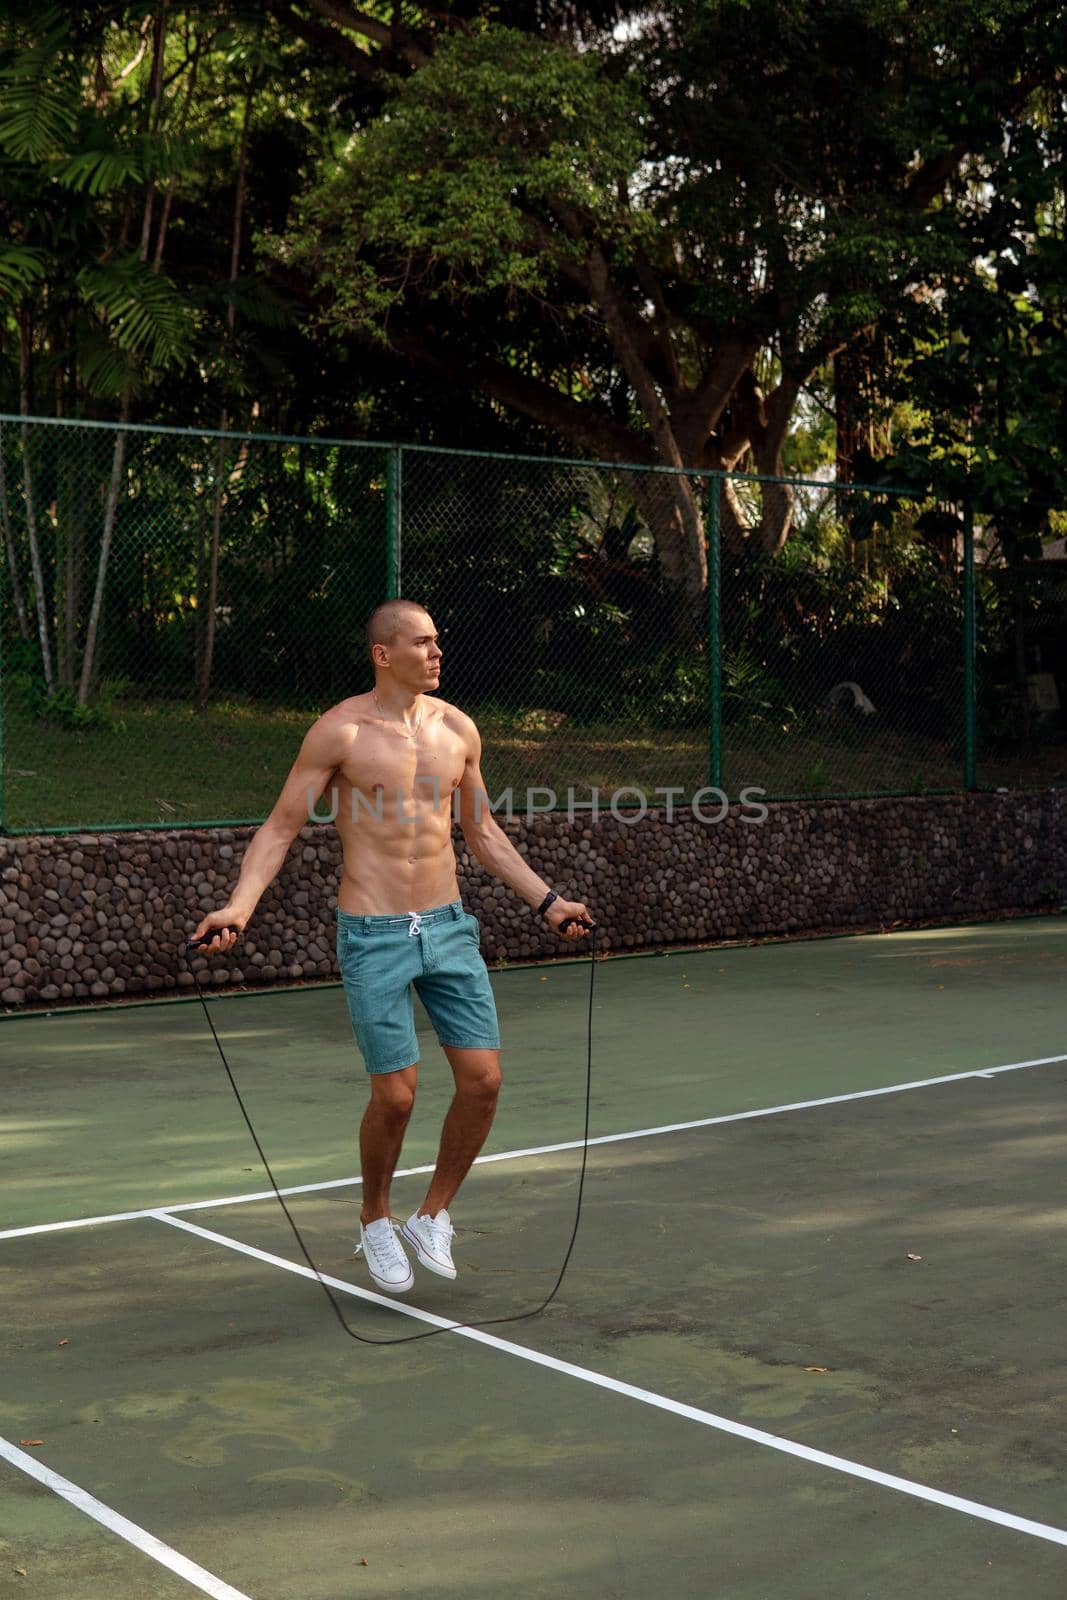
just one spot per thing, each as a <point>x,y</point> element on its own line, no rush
<point>198,944</point>
<point>570,922</point>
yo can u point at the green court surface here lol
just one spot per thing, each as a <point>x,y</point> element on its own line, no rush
<point>810,1345</point>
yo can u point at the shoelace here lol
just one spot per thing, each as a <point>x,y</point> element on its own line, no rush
<point>441,1234</point>
<point>384,1250</point>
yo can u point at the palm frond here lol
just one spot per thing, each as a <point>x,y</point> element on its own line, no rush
<point>40,96</point>
<point>255,299</point>
<point>147,315</point>
<point>106,371</point>
<point>20,266</point>
<point>100,171</point>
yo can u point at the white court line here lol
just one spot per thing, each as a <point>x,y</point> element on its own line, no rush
<point>114,1522</point>
<point>648,1397</point>
<point>537,1150</point>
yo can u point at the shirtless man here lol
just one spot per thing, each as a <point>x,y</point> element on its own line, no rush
<point>399,766</point>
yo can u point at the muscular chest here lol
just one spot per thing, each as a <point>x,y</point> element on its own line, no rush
<point>425,769</point>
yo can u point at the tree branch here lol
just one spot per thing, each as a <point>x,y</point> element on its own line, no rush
<point>399,39</point>
<point>651,285</point>
<point>330,40</point>
<point>704,405</point>
<point>576,420</point>
<point>932,176</point>
<point>617,318</point>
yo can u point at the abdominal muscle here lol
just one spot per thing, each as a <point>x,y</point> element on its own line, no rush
<point>401,861</point>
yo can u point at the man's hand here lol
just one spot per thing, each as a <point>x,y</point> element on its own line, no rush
<point>563,911</point>
<point>228,917</point>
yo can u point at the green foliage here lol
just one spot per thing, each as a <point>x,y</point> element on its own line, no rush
<point>21,266</point>
<point>148,316</point>
<point>26,692</point>
<point>39,90</point>
<point>664,692</point>
<point>468,182</point>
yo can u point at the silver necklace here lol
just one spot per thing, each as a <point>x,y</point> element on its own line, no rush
<point>411,732</point>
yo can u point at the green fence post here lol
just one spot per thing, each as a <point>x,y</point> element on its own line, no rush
<point>970,652</point>
<point>714,638</point>
<point>394,485</point>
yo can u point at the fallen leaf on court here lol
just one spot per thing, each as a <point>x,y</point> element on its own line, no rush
<point>363,1561</point>
<point>64,1341</point>
<point>31,1441</point>
<point>912,1257</point>
<point>816,1369</point>
<point>22,1572</point>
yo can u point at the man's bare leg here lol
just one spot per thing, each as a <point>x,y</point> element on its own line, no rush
<point>470,1116</point>
<point>381,1134</point>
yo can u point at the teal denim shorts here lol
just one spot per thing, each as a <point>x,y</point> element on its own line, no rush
<point>436,954</point>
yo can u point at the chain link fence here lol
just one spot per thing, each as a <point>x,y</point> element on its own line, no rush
<point>843,661</point>
<point>560,636</point>
<point>177,606</point>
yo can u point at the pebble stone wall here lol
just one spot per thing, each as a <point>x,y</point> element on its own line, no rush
<point>97,916</point>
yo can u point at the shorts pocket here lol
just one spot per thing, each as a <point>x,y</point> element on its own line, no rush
<point>350,949</point>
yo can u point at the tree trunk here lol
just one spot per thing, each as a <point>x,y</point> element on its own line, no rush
<point>199,617</point>
<point>118,461</point>
<point>9,546</point>
<point>742,533</point>
<point>203,688</point>
<point>776,515</point>
<point>75,579</point>
<point>71,506</point>
<point>669,504</point>
<point>1022,688</point>
<point>666,500</point>
<point>39,593</point>
<point>733,522</point>
<point>848,428</point>
<point>210,605</point>
<point>778,501</point>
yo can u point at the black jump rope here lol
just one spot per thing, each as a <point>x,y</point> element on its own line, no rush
<point>452,1327</point>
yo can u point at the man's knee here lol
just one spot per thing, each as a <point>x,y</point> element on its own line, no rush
<point>482,1086</point>
<point>392,1097</point>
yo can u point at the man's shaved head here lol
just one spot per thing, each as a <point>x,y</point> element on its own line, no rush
<point>385,620</point>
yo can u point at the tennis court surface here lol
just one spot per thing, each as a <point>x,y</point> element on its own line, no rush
<point>810,1345</point>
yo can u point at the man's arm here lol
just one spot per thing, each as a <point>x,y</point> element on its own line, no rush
<point>490,845</point>
<point>323,750</point>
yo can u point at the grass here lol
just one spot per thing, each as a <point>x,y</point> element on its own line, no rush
<point>166,764</point>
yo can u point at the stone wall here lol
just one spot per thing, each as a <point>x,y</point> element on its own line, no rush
<point>102,915</point>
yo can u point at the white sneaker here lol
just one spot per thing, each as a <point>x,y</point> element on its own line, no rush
<point>381,1249</point>
<point>432,1239</point>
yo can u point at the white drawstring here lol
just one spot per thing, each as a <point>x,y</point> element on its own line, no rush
<point>415,925</point>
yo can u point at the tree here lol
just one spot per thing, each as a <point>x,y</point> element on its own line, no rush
<point>982,362</point>
<point>649,248</point>
<point>95,316</point>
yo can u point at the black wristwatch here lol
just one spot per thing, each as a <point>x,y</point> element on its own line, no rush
<point>546,902</point>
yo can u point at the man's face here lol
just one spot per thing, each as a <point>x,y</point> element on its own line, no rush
<point>414,655</point>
